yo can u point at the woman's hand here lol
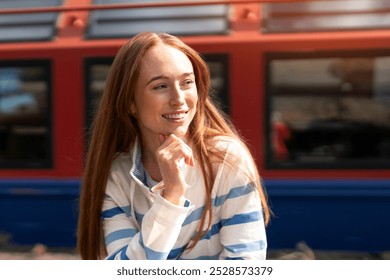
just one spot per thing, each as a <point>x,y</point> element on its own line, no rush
<point>171,155</point>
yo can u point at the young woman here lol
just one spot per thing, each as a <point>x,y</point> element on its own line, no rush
<point>166,176</point>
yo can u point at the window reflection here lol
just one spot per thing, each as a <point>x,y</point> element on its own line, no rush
<point>323,15</point>
<point>331,111</point>
<point>24,122</point>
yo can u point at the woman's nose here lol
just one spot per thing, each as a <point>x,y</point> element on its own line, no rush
<point>177,98</point>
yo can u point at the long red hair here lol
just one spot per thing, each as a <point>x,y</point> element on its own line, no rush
<point>114,131</point>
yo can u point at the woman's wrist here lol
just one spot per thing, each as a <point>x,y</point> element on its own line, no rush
<point>174,197</point>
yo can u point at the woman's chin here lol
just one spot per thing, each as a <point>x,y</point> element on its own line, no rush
<point>180,133</point>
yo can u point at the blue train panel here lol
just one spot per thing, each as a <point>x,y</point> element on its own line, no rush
<point>326,214</point>
<point>330,214</point>
<point>39,211</point>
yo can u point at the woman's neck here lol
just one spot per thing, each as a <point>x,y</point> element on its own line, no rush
<point>150,164</point>
<point>149,146</point>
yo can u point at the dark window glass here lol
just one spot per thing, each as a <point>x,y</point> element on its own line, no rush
<point>25,139</point>
<point>218,65</point>
<point>97,71</point>
<point>323,15</point>
<point>28,26</point>
<point>328,111</point>
<point>180,20</point>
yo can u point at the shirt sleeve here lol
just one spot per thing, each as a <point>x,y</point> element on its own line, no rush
<point>124,239</point>
<point>242,231</point>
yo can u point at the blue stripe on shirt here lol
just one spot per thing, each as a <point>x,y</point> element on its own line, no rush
<point>139,217</point>
<point>246,247</point>
<point>235,220</point>
<point>218,201</point>
<point>152,254</point>
<point>215,257</point>
<point>233,193</point>
<point>109,213</point>
<point>194,216</point>
<point>173,254</point>
<point>242,219</point>
<point>119,234</point>
<point>215,229</point>
<point>123,254</point>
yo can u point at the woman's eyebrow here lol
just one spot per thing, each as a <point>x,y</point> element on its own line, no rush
<point>159,77</point>
<point>187,74</point>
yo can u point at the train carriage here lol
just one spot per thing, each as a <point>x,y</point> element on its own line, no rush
<point>307,83</point>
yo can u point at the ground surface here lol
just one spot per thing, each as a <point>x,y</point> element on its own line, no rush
<point>301,252</point>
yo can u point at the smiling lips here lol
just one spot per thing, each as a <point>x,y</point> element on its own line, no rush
<point>175,116</point>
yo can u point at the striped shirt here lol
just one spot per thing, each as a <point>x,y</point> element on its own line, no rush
<point>138,223</point>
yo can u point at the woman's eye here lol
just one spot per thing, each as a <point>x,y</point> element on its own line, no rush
<point>188,83</point>
<point>160,86</point>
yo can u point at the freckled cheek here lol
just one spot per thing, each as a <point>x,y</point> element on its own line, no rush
<point>191,104</point>
<point>151,111</point>
<point>153,104</point>
<point>193,101</point>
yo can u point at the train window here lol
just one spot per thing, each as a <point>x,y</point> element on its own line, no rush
<point>194,20</point>
<point>326,15</point>
<point>328,111</point>
<point>97,71</point>
<point>25,138</point>
<point>28,27</point>
<point>218,65</point>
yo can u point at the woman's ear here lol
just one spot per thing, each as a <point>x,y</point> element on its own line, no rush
<point>133,110</point>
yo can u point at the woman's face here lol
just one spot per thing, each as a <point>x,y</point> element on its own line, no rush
<point>166,95</point>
